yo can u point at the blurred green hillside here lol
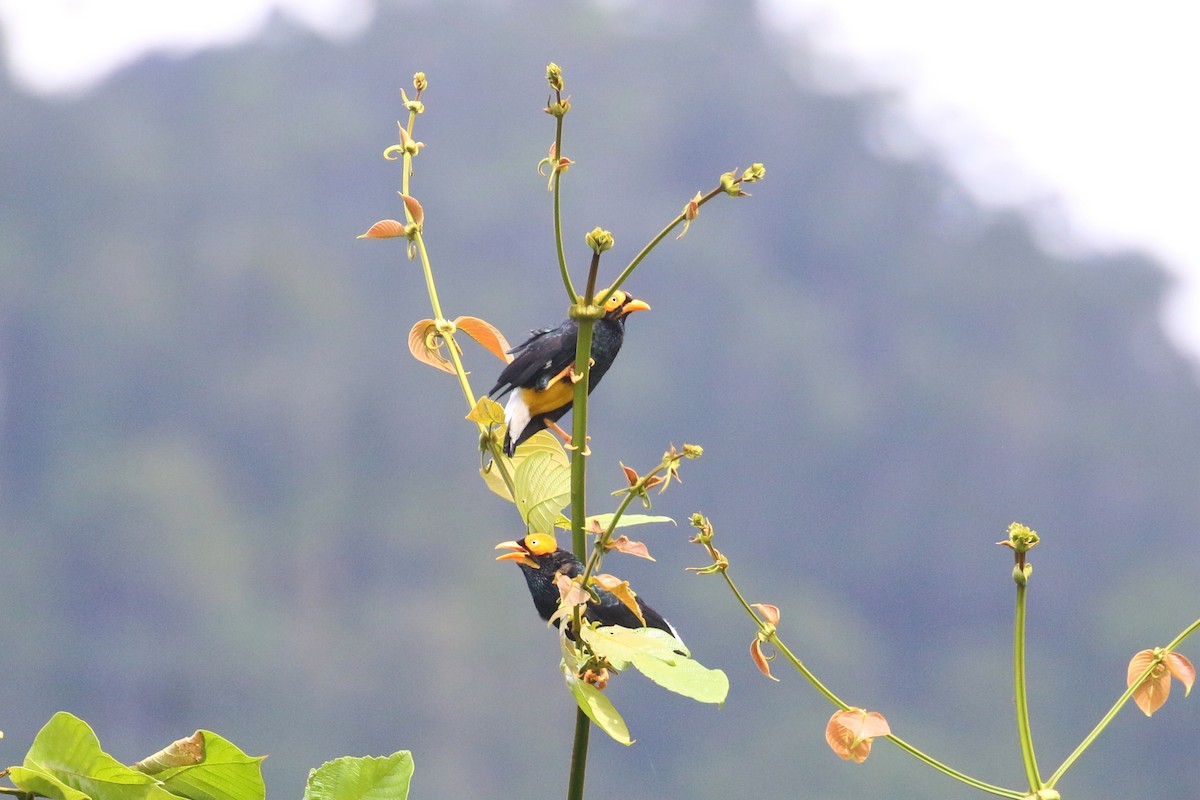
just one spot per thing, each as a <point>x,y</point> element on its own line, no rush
<point>230,499</point>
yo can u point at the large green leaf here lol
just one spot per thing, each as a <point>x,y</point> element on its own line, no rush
<point>597,707</point>
<point>370,778</point>
<point>543,487</point>
<point>226,773</point>
<point>43,784</point>
<point>625,521</point>
<point>540,442</point>
<point>654,654</point>
<point>67,751</point>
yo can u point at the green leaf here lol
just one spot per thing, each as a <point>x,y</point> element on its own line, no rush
<point>597,707</point>
<point>370,778</point>
<point>653,653</point>
<point>540,442</point>
<point>625,521</point>
<point>226,773</point>
<point>67,750</point>
<point>543,487</point>
<point>43,784</point>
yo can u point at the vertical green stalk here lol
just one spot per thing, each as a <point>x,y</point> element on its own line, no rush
<point>579,750</point>
<point>1023,732</point>
<point>583,354</point>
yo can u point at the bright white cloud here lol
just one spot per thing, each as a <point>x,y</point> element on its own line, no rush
<point>1080,109</point>
<point>68,45</point>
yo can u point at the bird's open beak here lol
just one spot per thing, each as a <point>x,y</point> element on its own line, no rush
<point>520,554</point>
<point>635,305</point>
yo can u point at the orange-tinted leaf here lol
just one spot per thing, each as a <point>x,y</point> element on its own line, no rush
<point>770,613</point>
<point>384,229</point>
<point>621,589</point>
<point>425,343</point>
<point>570,592</point>
<point>1152,692</point>
<point>487,412</point>
<point>761,660</point>
<point>414,209</point>
<point>623,544</point>
<point>1183,670</point>
<point>630,474</point>
<point>486,334</point>
<point>850,733</point>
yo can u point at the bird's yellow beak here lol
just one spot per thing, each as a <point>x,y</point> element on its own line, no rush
<point>519,554</point>
<point>635,305</point>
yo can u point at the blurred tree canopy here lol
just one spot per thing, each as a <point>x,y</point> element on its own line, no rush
<point>229,498</point>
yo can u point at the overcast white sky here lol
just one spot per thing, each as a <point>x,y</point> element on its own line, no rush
<point>1081,108</point>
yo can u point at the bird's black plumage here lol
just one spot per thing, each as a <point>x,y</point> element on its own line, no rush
<point>539,375</point>
<point>540,560</point>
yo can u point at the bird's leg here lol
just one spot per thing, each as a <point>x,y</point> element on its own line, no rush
<point>566,437</point>
<point>567,372</point>
<point>576,377</point>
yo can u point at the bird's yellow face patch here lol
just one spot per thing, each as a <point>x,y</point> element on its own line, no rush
<point>614,301</point>
<point>554,396</point>
<point>540,543</point>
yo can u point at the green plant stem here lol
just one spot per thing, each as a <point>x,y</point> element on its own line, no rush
<point>558,239</point>
<point>583,355</point>
<point>1023,730</point>
<point>1112,712</point>
<point>773,638</point>
<point>579,752</point>
<point>645,251</point>
<point>440,319</point>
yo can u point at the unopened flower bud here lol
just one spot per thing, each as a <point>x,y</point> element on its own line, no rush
<point>729,184</point>
<point>754,172</point>
<point>554,75</point>
<point>599,240</point>
<point>419,82</point>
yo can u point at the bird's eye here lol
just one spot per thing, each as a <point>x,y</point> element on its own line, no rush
<point>615,301</point>
<point>539,544</point>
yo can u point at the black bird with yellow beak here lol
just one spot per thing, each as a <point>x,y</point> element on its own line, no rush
<point>540,374</point>
<point>540,558</point>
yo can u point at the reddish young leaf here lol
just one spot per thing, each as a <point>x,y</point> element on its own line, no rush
<point>1182,670</point>
<point>569,591</point>
<point>850,733</point>
<point>414,209</point>
<point>425,343</point>
<point>1151,693</point>
<point>761,660</point>
<point>623,544</point>
<point>770,613</point>
<point>384,229</point>
<point>487,335</point>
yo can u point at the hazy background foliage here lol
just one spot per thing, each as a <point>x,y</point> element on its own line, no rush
<point>230,499</point>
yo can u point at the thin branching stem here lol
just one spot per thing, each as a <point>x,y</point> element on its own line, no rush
<point>1112,712</point>
<point>645,251</point>
<point>556,177</point>
<point>773,638</point>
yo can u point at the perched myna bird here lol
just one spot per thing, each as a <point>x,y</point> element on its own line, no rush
<point>542,367</point>
<point>540,558</point>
